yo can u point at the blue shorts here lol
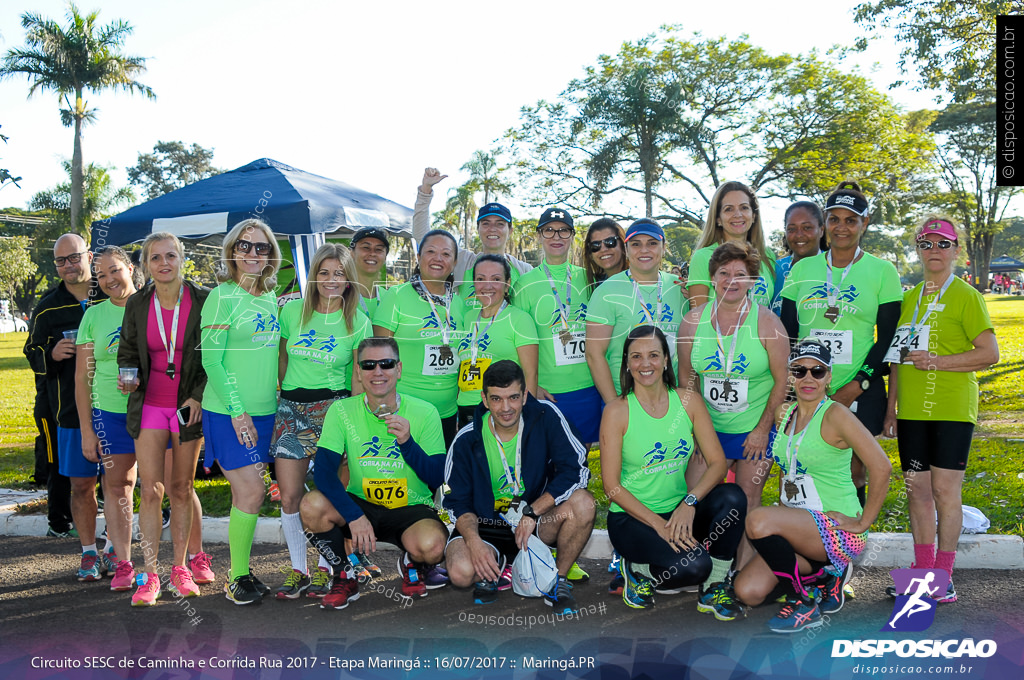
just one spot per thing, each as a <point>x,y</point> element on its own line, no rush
<point>112,431</point>
<point>71,462</point>
<point>583,409</point>
<point>732,444</point>
<point>222,442</point>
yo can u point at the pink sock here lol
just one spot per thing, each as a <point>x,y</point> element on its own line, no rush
<point>924,555</point>
<point>944,560</point>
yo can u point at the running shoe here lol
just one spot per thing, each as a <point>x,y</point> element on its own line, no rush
<point>638,590</point>
<point>505,580</point>
<point>148,592</point>
<point>435,577</point>
<point>362,574</point>
<point>69,533</point>
<point>319,583</point>
<point>344,590</point>
<point>795,616</point>
<point>89,571</point>
<point>201,567</point>
<point>108,563</point>
<point>262,587</point>
<point>617,584</point>
<point>181,584</point>
<point>613,565</point>
<point>124,576</point>
<point>243,591</point>
<point>166,513</point>
<point>294,585</point>
<point>950,595</point>
<point>275,493</point>
<point>485,592</point>
<point>412,584</point>
<point>368,564</point>
<point>848,591</point>
<point>720,601</point>
<point>576,574</point>
<point>562,600</point>
<point>833,594</point>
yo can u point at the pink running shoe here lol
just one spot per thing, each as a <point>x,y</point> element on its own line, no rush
<point>201,569</point>
<point>182,584</point>
<point>148,593</point>
<point>124,576</point>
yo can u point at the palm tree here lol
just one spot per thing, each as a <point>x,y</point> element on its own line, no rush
<point>69,60</point>
<point>485,174</point>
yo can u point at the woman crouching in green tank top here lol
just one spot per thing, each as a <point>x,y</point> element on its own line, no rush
<point>819,513</point>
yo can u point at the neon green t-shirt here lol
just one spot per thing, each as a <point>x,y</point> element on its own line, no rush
<point>763,291</point>
<point>615,304</point>
<point>502,485</point>
<point>869,283</point>
<point>377,470</point>
<point>101,325</point>
<point>655,453</point>
<point>495,341</point>
<point>240,362</point>
<point>320,352</point>
<point>959,318</point>
<point>562,366</point>
<point>428,371</point>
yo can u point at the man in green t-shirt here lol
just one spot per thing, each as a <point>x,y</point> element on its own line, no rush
<point>395,458</point>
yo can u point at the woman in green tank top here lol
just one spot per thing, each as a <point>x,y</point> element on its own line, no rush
<point>669,535</point>
<point>820,515</point>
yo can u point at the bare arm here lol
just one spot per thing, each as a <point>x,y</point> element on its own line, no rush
<point>841,429</point>
<point>528,360</point>
<point>776,343</point>
<point>599,336</point>
<point>699,295</point>
<point>86,364</point>
<point>282,361</point>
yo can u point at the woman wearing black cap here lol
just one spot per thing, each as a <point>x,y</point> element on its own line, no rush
<point>819,528</point>
<point>369,252</point>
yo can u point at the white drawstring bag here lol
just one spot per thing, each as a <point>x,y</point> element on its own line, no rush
<point>534,573</point>
<point>975,521</point>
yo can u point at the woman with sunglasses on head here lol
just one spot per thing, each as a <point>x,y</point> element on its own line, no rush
<point>424,316</point>
<point>241,334</point>
<point>670,534</point>
<point>494,331</point>
<point>944,336</point>
<point>805,237</point>
<point>604,251</point>
<point>733,217</point>
<point>733,351</point>
<point>812,538</point>
<point>850,300</point>
<point>319,336</point>
<point>102,409</point>
<point>160,338</point>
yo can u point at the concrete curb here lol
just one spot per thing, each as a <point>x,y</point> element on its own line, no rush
<point>975,551</point>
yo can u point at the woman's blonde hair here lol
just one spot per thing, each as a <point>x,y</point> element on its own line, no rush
<point>713,232</point>
<point>147,245</point>
<point>311,295</point>
<point>267,280</point>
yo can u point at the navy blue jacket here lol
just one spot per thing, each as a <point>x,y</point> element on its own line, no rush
<point>554,461</point>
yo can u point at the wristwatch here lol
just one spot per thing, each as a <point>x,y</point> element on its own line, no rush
<point>864,381</point>
<point>690,500</point>
<point>528,511</point>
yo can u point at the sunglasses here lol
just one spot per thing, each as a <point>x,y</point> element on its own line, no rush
<point>73,258</point>
<point>561,232</point>
<point>245,246</point>
<point>370,364</point>
<point>944,244</point>
<point>818,372</point>
<point>609,242</point>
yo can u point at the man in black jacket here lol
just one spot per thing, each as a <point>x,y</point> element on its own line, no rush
<point>519,467</point>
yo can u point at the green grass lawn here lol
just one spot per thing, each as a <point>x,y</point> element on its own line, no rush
<point>992,483</point>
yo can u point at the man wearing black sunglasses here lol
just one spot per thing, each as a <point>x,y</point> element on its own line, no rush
<point>395,458</point>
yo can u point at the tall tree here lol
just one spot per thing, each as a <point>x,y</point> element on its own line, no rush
<point>100,198</point>
<point>486,176</point>
<point>459,213</point>
<point>15,264</point>
<point>171,166</point>
<point>71,60</point>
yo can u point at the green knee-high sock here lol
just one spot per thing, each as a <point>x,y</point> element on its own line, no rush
<point>719,570</point>
<point>241,530</point>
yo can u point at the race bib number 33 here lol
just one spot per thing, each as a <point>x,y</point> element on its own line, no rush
<point>839,343</point>
<point>391,493</point>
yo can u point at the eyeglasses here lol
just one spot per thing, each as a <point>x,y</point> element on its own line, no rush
<point>370,364</point>
<point>818,372</point>
<point>261,248</point>
<point>73,258</point>
<point>944,244</point>
<point>551,232</point>
<point>609,242</point>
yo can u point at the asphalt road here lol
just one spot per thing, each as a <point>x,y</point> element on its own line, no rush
<point>48,618</point>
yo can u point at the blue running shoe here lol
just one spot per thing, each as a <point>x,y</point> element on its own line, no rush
<point>795,616</point>
<point>638,591</point>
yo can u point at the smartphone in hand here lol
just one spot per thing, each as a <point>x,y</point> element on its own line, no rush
<point>184,413</point>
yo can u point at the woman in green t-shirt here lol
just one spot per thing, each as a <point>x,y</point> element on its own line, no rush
<point>944,336</point>
<point>240,341</point>
<point>733,216</point>
<point>319,336</point>
<point>424,317</point>
<point>604,251</point>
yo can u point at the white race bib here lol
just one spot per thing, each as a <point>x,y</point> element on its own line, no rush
<point>902,339</point>
<point>572,352</point>
<point>799,492</point>
<point>839,343</point>
<point>731,398</point>
<point>438,362</point>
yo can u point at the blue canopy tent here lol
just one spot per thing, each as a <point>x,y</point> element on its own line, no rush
<point>297,204</point>
<point>1004,264</point>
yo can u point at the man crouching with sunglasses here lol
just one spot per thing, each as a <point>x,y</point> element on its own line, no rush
<point>395,456</point>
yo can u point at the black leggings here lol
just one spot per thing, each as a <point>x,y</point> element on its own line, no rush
<point>717,525</point>
<point>925,444</point>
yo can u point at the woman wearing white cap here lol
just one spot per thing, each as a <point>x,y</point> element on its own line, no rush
<point>944,336</point>
<point>819,528</point>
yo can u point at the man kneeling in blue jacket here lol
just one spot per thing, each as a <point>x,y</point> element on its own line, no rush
<point>518,453</point>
